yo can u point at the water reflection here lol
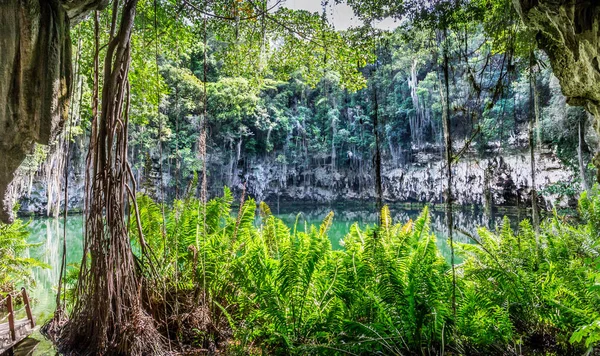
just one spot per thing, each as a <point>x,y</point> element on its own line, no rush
<point>47,234</point>
<point>365,214</point>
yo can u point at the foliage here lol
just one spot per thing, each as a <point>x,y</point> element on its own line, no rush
<point>287,86</point>
<point>568,189</point>
<point>15,267</point>
<point>286,291</point>
<point>547,282</point>
<point>285,82</point>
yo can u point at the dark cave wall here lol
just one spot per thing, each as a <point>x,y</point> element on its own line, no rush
<point>35,78</point>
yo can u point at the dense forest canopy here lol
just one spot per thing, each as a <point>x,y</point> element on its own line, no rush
<point>301,90</point>
<point>163,104</point>
<point>284,86</point>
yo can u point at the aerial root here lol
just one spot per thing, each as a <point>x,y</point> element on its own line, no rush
<point>136,337</point>
<point>52,329</point>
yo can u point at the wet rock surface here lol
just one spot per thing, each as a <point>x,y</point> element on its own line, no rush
<point>35,78</point>
<point>569,32</point>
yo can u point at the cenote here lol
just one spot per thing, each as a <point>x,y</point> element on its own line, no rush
<point>168,122</point>
<point>47,234</point>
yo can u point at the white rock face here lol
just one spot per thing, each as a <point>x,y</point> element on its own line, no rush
<point>501,180</point>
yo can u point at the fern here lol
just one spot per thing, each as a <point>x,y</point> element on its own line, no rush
<point>15,268</point>
<point>388,291</point>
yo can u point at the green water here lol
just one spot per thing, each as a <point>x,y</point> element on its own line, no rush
<point>48,234</point>
<point>345,215</point>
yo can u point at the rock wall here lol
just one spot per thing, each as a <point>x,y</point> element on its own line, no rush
<point>35,78</point>
<point>501,180</point>
<point>569,32</point>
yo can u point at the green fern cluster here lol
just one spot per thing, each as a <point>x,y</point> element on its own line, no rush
<point>253,285</point>
<point>15,268</point>
<point>544,286</point>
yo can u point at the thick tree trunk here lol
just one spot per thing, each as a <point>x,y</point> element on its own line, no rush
<point>108,317</point>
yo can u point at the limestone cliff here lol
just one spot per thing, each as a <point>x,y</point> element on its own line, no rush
<point>569,32</point>
<point>35,77</point>
<point>502,180</point>
<point>496,180</point>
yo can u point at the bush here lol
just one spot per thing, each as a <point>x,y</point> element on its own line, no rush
<point>14,268</point>
<point>253,285</point>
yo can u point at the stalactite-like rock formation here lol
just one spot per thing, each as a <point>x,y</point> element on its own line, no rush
<point>569,32</point>
<point>35,78</point>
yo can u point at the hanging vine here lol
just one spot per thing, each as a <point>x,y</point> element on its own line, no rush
<point>108,317</point>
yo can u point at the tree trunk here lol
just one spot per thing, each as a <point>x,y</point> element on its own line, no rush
<point>448,157</point>
<point>108,317</point>
<point>534,206</point>
<point>230,168</point>
<point>533,118</point>
<point>333,153</point>
<point>596,158</point>
<point>377,158</point>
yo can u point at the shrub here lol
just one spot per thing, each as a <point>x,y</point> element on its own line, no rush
<point>254,285</point>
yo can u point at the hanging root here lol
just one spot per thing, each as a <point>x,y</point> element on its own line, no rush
<point>52,329</point>
<point>108,318</point>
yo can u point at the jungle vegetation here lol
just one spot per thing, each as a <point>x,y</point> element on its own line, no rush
<point>278,290</point>
<point>247,284</point>
<point>175,84</point>
<point>275,94</point>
